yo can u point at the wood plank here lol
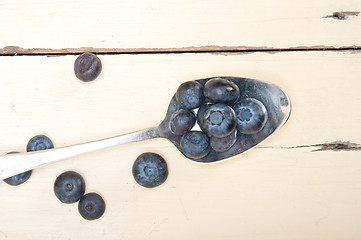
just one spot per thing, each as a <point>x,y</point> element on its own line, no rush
<point>179,24</point>
<point>270,192</point>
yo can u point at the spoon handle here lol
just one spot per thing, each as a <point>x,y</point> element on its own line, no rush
<point>13,164</point>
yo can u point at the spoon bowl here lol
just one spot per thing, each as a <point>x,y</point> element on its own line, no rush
<point>273,102</point>
<point>274,99</point>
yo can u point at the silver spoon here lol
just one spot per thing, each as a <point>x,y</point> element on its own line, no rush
<point>274,99</point>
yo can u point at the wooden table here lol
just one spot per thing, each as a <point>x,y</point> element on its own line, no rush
<point>303,182</point>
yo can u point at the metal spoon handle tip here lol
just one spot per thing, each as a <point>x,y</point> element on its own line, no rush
<point>13,164</point>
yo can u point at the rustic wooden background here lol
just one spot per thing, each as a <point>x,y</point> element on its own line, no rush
<point>304,182</point>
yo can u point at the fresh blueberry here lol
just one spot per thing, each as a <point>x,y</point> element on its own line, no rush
<point>91,206</point>
<point>219,120</point>
<point>195,144</point>
<point>19,178</point>
<point>251,115</point>
<point>69,187</point>
<point>182,121</point>
<point>220,90</point>
<point>150,170</point>
<point>225,143</point>
<point>189,95</point>
<point>87,67</point>
<point>39,142</point>
<point>200,115</point>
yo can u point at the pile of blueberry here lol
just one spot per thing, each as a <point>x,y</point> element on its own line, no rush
<point>69,187</point>
<point>221,113</point>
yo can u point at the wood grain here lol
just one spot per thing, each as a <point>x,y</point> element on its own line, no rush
<point>179,23</point>
<point>224,50</point>
<point>276,191</point>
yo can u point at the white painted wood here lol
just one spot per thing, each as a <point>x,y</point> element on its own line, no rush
<point>177,23</point>
<point>266,193</point>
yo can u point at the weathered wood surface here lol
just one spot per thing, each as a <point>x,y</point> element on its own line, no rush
<point>283,189</point>
<point>181,24</point>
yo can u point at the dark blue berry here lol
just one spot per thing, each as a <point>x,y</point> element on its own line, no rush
<point>91,206</point>
<point>39,142</point>
<point>150,170</point>
<point>200,115</point>
<point>69,187</point>
<point>195,144</point>
<point>182,121</point>
<point>219,120</point>
<point>225,143</point>
<point>19,178</point>
<point>87,67</point>
<point>220,90</point>
<point>251,115</point>
<point>189,95</point>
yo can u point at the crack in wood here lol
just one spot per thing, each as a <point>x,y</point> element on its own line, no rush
<point>332,146</point>
<point>342,15</point>
<point>18,51</point>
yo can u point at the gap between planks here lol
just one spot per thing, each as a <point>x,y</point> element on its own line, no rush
<point>18,51</point>
<point>332,146</point>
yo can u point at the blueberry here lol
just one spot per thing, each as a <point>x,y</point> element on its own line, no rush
<point>220,90</point>
<point>219,120</point>
<point>91,206</point>
<point>251,115</point>
<point>150,170</point>
<point>87,67</point>
<point>69,187</point>
<point>19,178</point>
<point>182,121</point>
<point>195,144</point>
<point>200,115</point>
<point>39,142</point>
<point>225,143</point>
<point>189,95</point>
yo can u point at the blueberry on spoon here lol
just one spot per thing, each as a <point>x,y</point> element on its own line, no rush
<point>251,115</point>
<point>200,115</point>
<point>220,90</point>
<point>190,95</point>
<point>195,144</point>
<point>224,143</point>
<point>182,121</point>
<point>219,120</point>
